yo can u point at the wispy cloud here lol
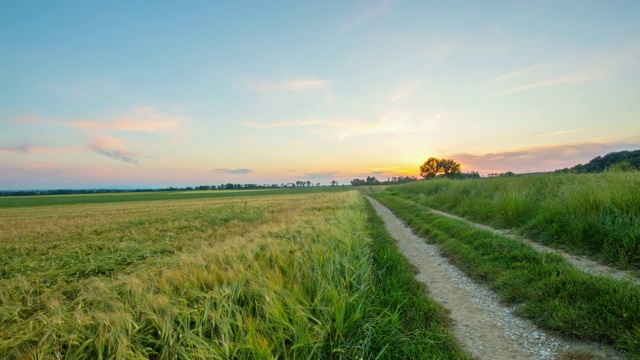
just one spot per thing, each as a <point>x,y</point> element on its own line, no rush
<point>143,119</point>
<point>35,149</point>
<point>578,69</point>
<point>31,119</point>
<point>559,133</point>
<point>370,13</point>
<point>403,92</point>
<point>547,158</point>
<point>322,174</point>
<point>299,84</point>
<point>567,79</point>
<point>234,171</point>
<point>106,146</point>
<point>112,148</point>
<point>347,127</point>
<point>255,125</point>
<point>514,74</point>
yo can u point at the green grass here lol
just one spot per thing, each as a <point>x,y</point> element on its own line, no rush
<point>551,292</point>
<point>594,214</point>
<point>78,199</point>
<point>308,275</point>
<point>396,288</point>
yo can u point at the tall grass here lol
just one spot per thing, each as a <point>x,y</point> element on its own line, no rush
<point>290,276</point>
<point>551,292</point>
<point>596,214</point>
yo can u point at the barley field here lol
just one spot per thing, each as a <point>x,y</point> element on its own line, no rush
<point>260,277</point>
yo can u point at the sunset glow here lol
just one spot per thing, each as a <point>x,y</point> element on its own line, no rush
<point>158,94</point>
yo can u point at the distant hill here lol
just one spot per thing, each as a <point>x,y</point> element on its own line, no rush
<point>625,160</point>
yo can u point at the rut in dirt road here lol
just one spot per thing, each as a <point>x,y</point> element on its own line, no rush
<point>485,328</point>
<point>581,262</point>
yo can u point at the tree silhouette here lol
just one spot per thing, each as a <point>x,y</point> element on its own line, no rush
<point>434,167</point>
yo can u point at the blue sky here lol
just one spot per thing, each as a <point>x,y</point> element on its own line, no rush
<point>186,93</point>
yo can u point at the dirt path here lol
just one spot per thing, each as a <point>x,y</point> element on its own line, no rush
<point>583,263</point>
<point>485,328</point>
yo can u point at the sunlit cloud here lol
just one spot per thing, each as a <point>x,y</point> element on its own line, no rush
<point>403,92</point>
<point>514,74</point>
<point>567,79</point>
<point>559,133</point>
<point>537,159</point>
<point>34,149</point>
<point>300,84</point>
<point>255,125</point>
<point>446,48</point>
<point>370,13</point>
<point>143,119</point>
<point>347,127</point>
<point>322,174</point>
<point>589,68</point>
<point>31,119</point>
<point>234,171</point>
<point>112,148</point>
<point>106,146</point>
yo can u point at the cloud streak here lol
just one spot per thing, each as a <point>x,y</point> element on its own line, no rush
<point>143,119</point>
<point>255,125</point>
<point>234,171</point>
<point>559,133</point>
<point>513,74</point>
<point>112,148</point>
<point>402,92</point>
<point>300,84</point>
<point>367,15</point>
<point>567,79</point>
<point>535,159</point>
<point>34,149</point>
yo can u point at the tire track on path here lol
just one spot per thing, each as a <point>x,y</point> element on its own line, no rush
<point>581,262</point>
<point>485,328</point>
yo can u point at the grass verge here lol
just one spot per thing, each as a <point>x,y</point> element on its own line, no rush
<point>595,214</point>
<point>552,293</point>
<point>426,329</point>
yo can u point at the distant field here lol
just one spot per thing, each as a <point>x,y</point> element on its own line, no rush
<point>46,200</point>
<point>209,275</point>
<point>595,214</point>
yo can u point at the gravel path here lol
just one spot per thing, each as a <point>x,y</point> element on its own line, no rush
<point>486,328</point>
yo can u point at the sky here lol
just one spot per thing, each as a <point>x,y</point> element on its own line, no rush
<point>177,93</point>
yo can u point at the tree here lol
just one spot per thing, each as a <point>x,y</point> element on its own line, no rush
<point>434,167</point>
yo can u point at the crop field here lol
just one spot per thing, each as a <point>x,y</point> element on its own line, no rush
<point>74,199</point>
<point>288,275</point>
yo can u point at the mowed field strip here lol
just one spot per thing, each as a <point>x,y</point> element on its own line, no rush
<point>288,275</point>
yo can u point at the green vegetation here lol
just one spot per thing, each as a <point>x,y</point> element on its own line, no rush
<point>75,199</point>
<point>621,160</point>
<point>433,168</point>
<point>595,214</point>
<point>309,275</point>
<point>551,292</point>
<point>396,288</point>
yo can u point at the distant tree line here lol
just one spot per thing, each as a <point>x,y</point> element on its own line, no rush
<point>227,186</point>
<point>371,180</point>
<point>621,160</point>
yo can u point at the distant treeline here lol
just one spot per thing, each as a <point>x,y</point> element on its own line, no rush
<point>228,186</point>
<point>371,180</point>
<point>621,160</point>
